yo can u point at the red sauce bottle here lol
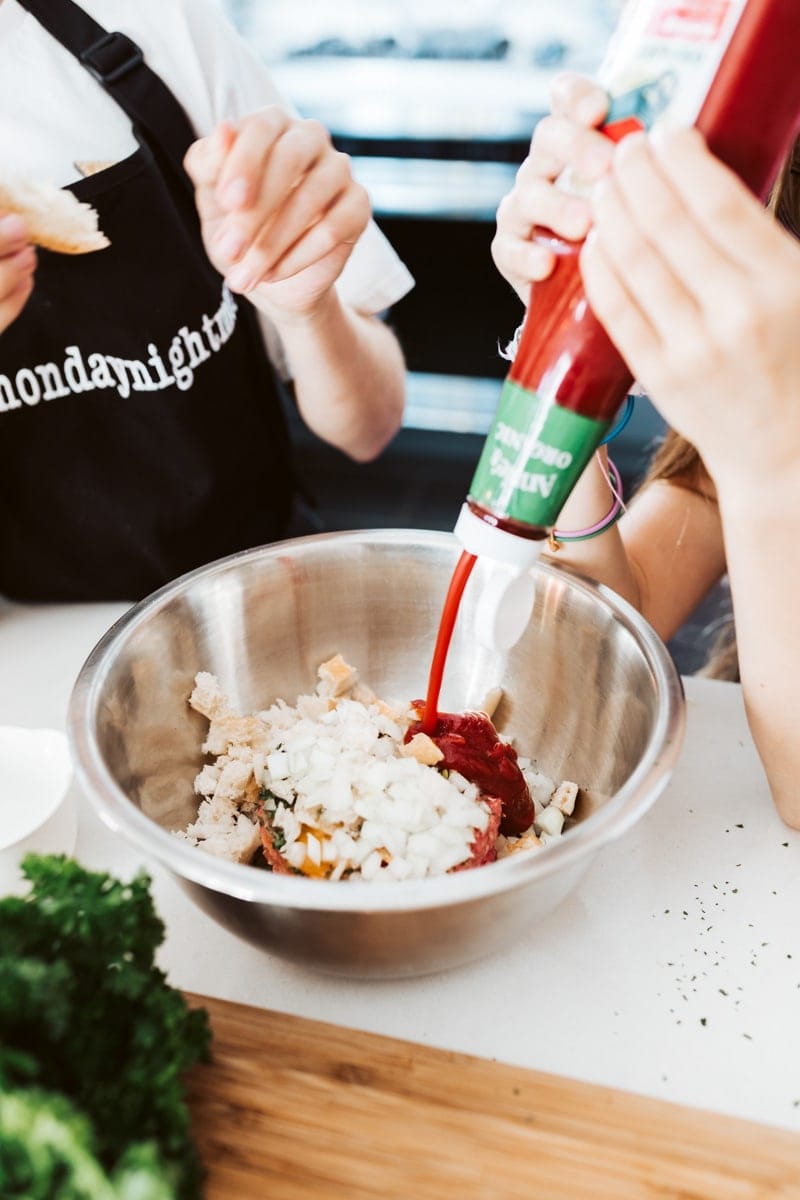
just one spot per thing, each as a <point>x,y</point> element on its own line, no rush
<point>728,66</point>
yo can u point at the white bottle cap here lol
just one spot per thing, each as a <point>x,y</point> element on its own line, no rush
<point>506,602</point>
<point>487,541</point>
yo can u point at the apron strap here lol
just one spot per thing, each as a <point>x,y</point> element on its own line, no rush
<point>117,63</point>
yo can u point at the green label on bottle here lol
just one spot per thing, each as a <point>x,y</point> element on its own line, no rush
<point>533,456</point>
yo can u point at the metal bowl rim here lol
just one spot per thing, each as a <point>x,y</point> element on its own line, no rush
<point>248,883</point>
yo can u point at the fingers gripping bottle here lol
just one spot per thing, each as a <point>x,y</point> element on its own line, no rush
<point>727,66</point>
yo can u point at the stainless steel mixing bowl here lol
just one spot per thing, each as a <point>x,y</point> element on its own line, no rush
<point>590,692</point>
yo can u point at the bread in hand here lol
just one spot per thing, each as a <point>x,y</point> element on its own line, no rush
<point>56,219</point>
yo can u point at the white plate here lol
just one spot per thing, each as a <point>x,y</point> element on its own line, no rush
<point>37,811</point>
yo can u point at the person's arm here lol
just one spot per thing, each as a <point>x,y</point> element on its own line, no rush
<point>700,290</point>
<point>762,534</point>
<point>663,555</point>
<point>348,375</point>
<point>281,213</point>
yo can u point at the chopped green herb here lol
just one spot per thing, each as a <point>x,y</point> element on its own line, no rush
<point>268,798</point>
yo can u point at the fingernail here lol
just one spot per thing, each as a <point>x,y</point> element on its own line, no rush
<point>541,262</point>
<point>633,143</point>
<point>663,136</point>
<point>599,158</point>
<point>13,228</point>
<point>599,192</point>
<point>25,259</point>
<point>591,109</point>
<point>234,194</point>
<point>577,216</point>
<point>240,279</point>
<point>230,244</point>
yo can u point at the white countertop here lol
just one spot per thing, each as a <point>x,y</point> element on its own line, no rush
<point>673,970</point>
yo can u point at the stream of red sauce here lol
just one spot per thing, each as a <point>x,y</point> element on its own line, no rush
<point>469,741</point>
<point>458,582</point>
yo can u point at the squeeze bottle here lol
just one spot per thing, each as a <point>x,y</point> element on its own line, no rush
<point>727,66</point>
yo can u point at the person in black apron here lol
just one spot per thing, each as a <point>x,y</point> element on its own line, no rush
<point>144,432</point>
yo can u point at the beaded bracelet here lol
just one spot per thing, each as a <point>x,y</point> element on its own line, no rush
<point>557,536</point>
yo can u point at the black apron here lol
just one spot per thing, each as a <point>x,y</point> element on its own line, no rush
<point>141,425</point>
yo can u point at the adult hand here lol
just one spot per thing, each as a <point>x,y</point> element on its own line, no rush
<point>699,288</point>
<point>567,138</point>
<point>279,208</point>
<point>17,266</point>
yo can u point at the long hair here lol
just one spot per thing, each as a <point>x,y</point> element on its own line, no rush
<point>678,461</point>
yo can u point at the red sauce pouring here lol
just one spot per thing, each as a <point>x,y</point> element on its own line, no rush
<point>461,575</point>
<point>471,745</point>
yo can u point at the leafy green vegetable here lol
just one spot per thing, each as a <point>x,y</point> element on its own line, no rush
<point>47,1150</point>
<point>86,1014</point>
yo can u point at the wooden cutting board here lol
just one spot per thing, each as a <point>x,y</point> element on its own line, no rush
<point>292,1109</point>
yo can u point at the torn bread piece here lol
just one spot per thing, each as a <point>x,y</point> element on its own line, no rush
<point>56,219</point>
<point>336,677</point>
<point>423,749</point>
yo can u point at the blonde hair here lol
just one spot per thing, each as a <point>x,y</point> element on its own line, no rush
<point>677,460</point>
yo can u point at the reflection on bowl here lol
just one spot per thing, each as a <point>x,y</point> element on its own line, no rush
<point>37,812</point>
<point>590,692</point>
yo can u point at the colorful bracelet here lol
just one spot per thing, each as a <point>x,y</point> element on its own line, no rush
<point>557,536</point>
<point>622,422</point>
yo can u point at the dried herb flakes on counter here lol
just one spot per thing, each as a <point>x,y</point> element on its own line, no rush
<point>94,1044</point>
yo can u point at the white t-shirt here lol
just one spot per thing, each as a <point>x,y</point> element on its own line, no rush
<point>53,114</point>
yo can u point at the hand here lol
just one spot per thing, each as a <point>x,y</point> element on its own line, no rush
<point>17,265</point>
<point>566,138</point>
<point>699,288</point>
<point>279,208</point>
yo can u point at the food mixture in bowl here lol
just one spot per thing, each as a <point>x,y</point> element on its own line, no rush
<point>343,785</point>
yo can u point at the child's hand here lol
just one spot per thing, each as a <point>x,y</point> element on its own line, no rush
<point>699,288</point>
<point>279,208</point>
<point>17,265</point>
<point>567,138</point>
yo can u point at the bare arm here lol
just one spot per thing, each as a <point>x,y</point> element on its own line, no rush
<point>348,374</point>
<point>700,289</point>
<point>664,554</point>
<point>764,570</point>
<point>281,213</point>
